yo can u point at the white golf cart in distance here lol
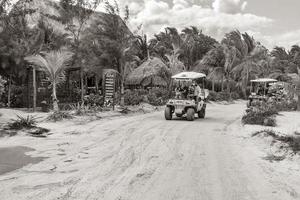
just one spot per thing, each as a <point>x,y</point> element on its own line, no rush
<point>185,104</point>
<point>260,90</point>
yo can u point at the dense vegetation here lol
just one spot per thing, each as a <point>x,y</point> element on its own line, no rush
<point>265,113</point>
<point>98,41</point>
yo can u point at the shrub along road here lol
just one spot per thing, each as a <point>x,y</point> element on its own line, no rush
<point>145,157</point>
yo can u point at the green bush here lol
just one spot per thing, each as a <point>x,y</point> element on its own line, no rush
<point>81,109</point>
<point>235,95</point>
<point>218,96</point>
<point>94,100</point>
<point>154,96</point>
<point>16,96</point>
<point>59,115</point>
<point>285,105</point>
<point>158,96</point>
<point>134,97</point>
<point>22,122</point>
<point>2,86</point>
<point>212,96</point>
<point>263,115</point>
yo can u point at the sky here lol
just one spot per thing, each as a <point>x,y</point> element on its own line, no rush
<point>272,22</point>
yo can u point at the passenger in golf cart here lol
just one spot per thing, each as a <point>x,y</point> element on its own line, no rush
<point>260,90</point>
<point>190,96</point>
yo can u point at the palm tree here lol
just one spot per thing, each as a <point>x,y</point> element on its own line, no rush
<point>196,45</point>
<point>252,66</point>
<point>54,64</point>
<point>230,59</point>
<point>295,54</point>
<point>213,65</point>
<point>175,64</point>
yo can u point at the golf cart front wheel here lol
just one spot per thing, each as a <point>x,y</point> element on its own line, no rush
<point>168,113</point>
<point>190,114</point>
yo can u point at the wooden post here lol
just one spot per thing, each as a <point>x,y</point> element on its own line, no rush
<point>97,84</point>
<point>34,88</point>
<point>9,91</point>
<point>82,84</point>
<point>28,87</point>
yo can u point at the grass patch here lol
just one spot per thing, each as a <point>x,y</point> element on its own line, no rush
<point>291,141</point>
<point>59,116</point>
<point>27,122</point>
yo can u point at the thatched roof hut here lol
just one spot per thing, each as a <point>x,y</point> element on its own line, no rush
<point>152,72</point>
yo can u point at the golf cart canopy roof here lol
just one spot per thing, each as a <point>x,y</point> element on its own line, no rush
<point>264,80</point>
<point>188,75</point>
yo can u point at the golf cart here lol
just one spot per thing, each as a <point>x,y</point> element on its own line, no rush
<point>185,103</point>
<point>260,90</point>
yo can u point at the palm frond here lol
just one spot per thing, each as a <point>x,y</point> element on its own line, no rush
<point>53,62</point>
<point>38,61</point>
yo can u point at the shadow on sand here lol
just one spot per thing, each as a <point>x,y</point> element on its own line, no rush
<point>12,158</point>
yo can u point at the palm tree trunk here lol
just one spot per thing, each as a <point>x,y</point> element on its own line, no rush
<point>228,89</point>
<point>222,83</point>
<point>9,91</point>
<point>213,85</point>
<point>54,96</point>
<point>34,88</point>
<point>82,84</point>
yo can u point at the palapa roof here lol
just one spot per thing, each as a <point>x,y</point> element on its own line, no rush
<point>152,72</point>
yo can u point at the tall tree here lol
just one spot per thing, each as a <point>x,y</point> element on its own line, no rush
<point>54,64</point>
<point>213,65</point>
<point>75,14</point>
<point>175,64</point>
<point>115,40</point>
<point>196,45</point>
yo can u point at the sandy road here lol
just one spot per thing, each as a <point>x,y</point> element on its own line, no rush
<point>146,157</point>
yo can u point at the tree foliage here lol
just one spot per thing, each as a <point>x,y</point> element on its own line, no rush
<point>54,63</point>
<point>103,40</point>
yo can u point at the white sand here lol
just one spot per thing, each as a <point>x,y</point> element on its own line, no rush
<point>145,157</point>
